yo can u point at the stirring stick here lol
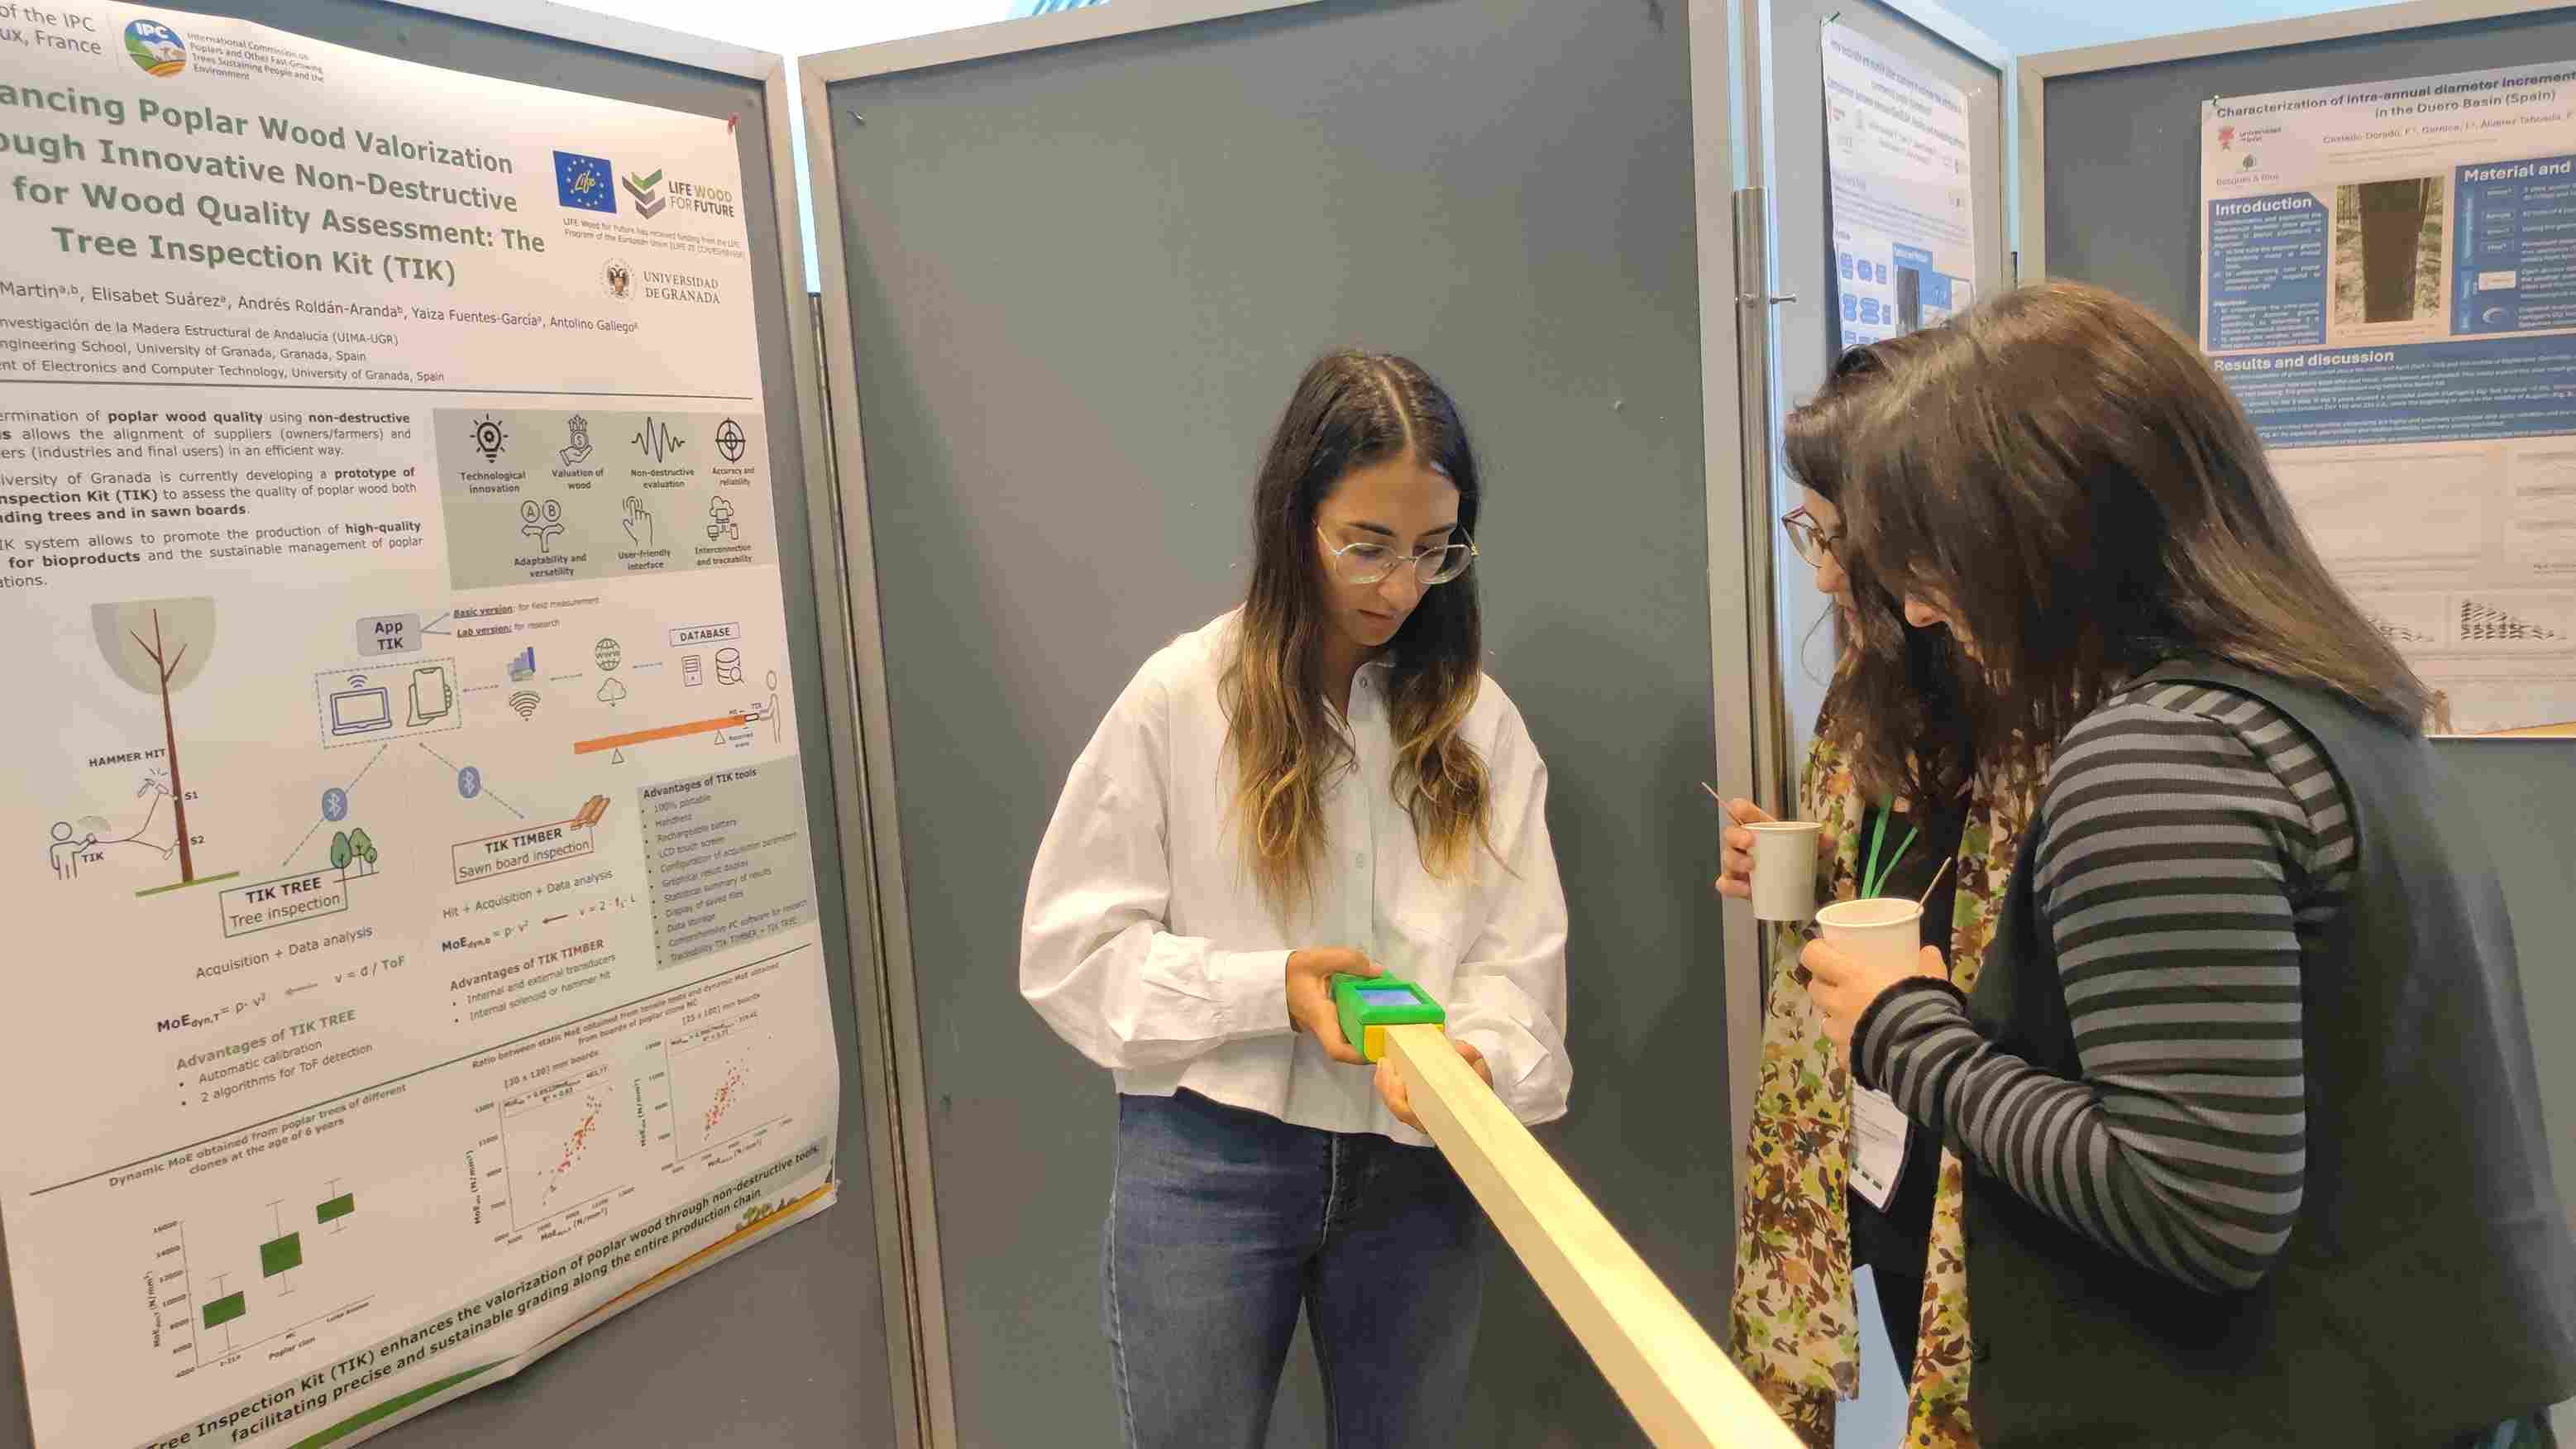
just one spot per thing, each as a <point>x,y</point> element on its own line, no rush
<point>1936,882</point>
<point>1712,792</point>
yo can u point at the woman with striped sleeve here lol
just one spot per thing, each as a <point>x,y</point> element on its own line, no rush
<point>2244,1089</point>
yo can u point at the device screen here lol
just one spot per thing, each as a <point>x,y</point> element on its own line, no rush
<point>1385,996</point>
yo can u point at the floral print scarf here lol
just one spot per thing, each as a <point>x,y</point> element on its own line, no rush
<point>1796,1332</point>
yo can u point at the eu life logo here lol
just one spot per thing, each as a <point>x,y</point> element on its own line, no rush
<point>585,183</point>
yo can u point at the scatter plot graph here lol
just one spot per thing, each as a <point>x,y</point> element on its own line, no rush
<point>726,1094</point>
<point>573,1147</point>
<point>715,1081</point>
<point>568,1143</point>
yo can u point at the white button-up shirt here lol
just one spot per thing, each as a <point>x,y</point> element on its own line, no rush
<point>1147,946</point>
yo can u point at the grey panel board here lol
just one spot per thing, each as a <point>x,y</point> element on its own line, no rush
<point>2525,792</point>
<point>2121,201</point>
<point>1083,282</point>
<point>1807,332</point>
<point>784,1343</point>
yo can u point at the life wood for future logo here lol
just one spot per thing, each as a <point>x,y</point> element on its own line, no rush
<point>657,192</point>
<point>647,193</point>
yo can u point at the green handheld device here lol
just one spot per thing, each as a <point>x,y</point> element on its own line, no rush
<point>1368,1005</point>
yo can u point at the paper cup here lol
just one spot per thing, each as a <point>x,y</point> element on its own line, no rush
<point>1884,931</point>
<point>1784,869</point>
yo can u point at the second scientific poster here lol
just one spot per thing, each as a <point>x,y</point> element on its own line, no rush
<point>1904,219</point>
<point>2389,283</point>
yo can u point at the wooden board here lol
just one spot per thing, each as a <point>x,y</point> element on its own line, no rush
<point>1683,1389</point>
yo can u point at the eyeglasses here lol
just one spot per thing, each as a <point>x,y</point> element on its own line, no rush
<point>1369,563</point>
<point>1810,539</point>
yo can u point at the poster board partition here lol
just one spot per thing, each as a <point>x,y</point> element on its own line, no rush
<point>609,1378</point>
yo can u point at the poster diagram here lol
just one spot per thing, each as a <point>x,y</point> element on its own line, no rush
<point>158,647</point>
<point>409,719</point>
<point>2388,290</point>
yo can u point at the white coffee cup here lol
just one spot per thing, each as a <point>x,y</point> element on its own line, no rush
<point>1784,869</point>
<point>1882,931</point>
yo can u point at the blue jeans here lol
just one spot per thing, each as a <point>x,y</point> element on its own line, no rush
<point>1224,1222</point>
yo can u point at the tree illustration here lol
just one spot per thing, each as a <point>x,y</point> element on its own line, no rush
<point>352,847</point>
<point>160,646</point>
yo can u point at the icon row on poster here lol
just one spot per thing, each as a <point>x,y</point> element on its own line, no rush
<point>543,519</point>
<point>1858,269</point>
<point>656,440</point>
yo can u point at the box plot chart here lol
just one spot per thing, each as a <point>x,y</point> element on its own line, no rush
<point>258,1279</point>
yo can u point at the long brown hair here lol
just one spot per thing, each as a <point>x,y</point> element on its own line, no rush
<point>1350,411</point>
<point>1900,723</point>
<point>2071,481</point>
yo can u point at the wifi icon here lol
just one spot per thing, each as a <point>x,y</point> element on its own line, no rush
<point>526,702</point>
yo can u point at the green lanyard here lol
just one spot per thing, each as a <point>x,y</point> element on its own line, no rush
<point>1872,879</point>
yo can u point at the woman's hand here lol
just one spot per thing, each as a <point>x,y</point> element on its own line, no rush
<point>1843,986</point>
<point>1735,866</point>
<point>1310,996</point>
<point>1390,1083</point>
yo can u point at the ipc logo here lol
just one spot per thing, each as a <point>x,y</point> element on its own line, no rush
<point>156,47</point>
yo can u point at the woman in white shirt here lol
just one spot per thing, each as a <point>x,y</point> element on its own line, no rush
<point>1319,782</point>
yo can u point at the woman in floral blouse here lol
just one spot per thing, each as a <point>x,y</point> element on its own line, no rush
<point>1796,1333</point>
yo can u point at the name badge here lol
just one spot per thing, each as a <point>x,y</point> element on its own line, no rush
<point>1879,1133</point>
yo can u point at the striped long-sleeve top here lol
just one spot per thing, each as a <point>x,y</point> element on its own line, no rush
<point>2194,838</point>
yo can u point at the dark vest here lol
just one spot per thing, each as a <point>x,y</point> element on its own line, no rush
<point>2429,1286</point>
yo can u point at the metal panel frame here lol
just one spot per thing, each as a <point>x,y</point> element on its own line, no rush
<point>1737,294</point>
<point>609,32</point>
<point>1722,66</point>
<point>1716,164</point>
<point>2035,71</point>
<point>1944,23</point>
<point>1010,37</point>
<point>871,1055</point>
